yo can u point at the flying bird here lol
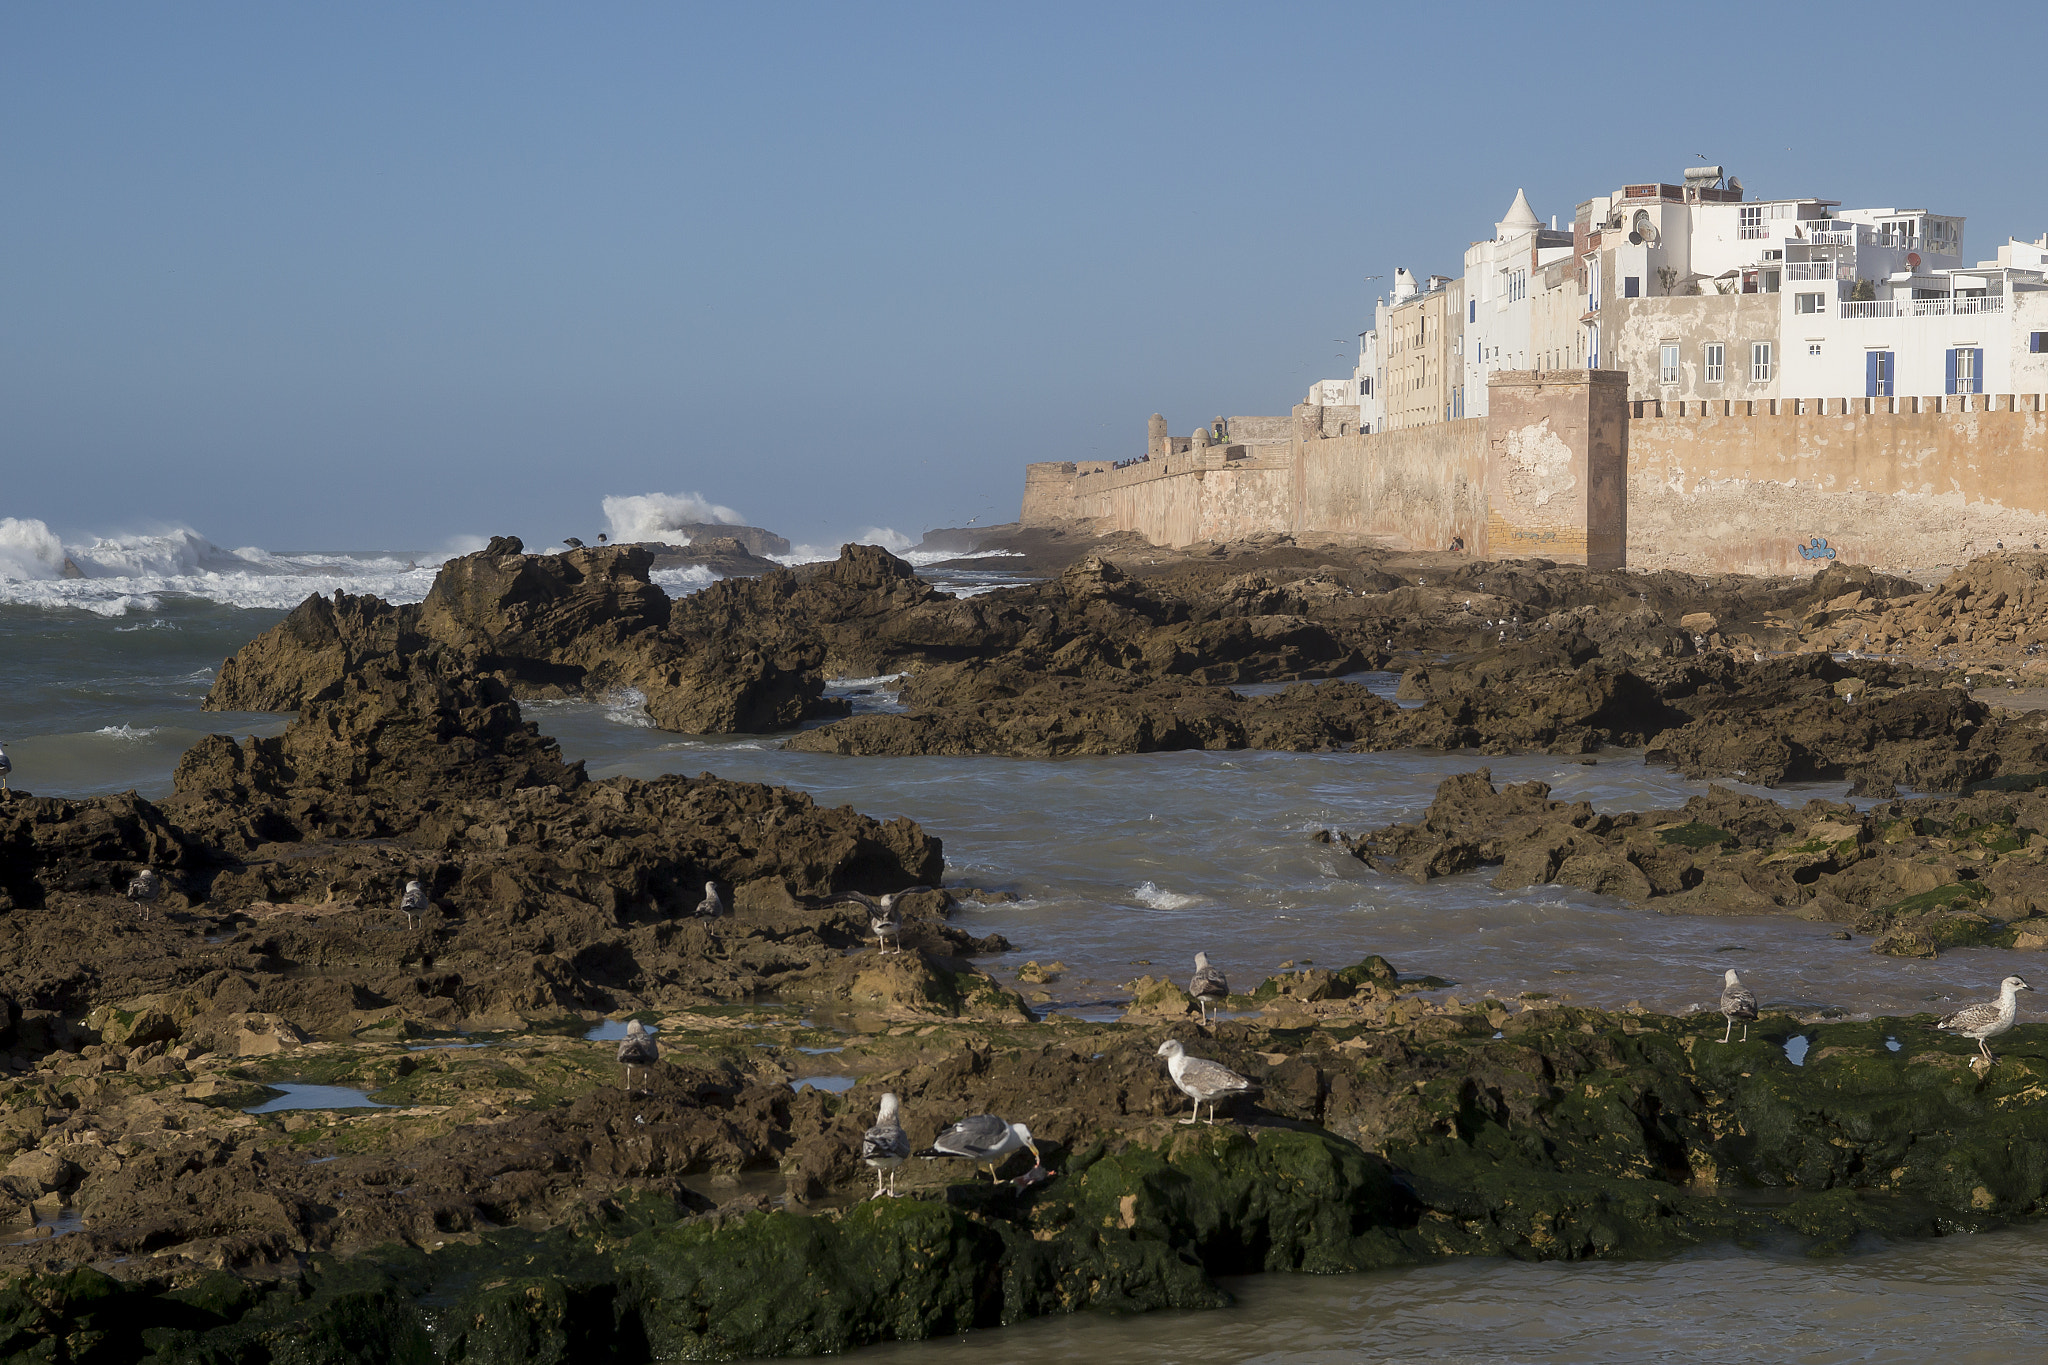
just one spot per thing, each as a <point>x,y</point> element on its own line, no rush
<point>1983,1022</point>
<point>713,905</point>
<point>1207,985</point>
<point>144,891</point>
<point>637,1048</point>
<point>1203,1081</point>
<point>1739,1004</point>
<point>984,1140</point>
<point>413,902</point>
<point>885,1146</point>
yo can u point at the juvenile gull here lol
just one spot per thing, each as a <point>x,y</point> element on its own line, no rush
<point>713,905</point>
<point>1207,985</point>
<point>1738,1004</point>
<point>6,767</point>
<point>1989,1020</point>
<point>145,890</point>
<point>1202,1081</point>
<point>413,902</point>
<point>885,1146</point>
<point>637,1048</point>
<point>984,1140</point>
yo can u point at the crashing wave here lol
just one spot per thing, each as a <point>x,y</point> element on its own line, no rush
<point>659,516</point>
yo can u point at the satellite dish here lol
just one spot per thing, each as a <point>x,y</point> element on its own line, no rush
<point>1635,239</point>
<point>1913,259</point>
<point>1735,185</point>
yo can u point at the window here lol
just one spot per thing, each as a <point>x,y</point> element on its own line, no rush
<point>1813,348</point>
<point>1877,374</point>
<point>1760,363</point>
<point>1593,347</point>
<point>1632,286</point>
<point>1667,365</point>
<point>1966,370</point>
<point>1472,311</point>
<point>2037,342</point>
<point>1770,280</point>
<point>1809,303</point>
<point>1365,387</point>
<point>1751,224</point>
<point>1517,286</point>
<point>1717,362</point>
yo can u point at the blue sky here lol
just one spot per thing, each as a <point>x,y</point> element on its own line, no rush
<point>380,275</point>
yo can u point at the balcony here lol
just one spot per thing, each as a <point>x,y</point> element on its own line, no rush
<point>1819,270</point>
<point>1924,308</point>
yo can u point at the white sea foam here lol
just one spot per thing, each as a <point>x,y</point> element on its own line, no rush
<point>627,706</point>
<point>127,732</point>
<point>1156,896</point>
<point>116,575</point>
<point>656,516</point>
<point>684,581</point>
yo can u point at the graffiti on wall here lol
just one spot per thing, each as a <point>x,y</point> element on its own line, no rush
<point>1817,548</point>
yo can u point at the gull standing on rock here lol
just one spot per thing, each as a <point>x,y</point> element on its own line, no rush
<point>145,890</point>
<point>1983,1022</point>
<point>984,1140</point>
<point>6,767</point>
<point>637,1048</point>
<point>1207,985</point>
<point>883,917</point>
<point>413,902</point>
<point>713,905</point>
<point>1738,1004</point>
<point>1202,1081</point>
<point>885,1146</point>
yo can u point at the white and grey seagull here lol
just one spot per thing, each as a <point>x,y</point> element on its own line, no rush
<point>145,890</point>
<point>984,1140</point>
<point>413,902</point>
<point>1203,1081</point>
<point>637,1048</point>
<point>885,1146</point>
<point>1739,1004</point>
<point>6,767</point>
<point>1987,1021</point>
<point>1207,985</point>
<point>713,905</point>
<point>884,919</point>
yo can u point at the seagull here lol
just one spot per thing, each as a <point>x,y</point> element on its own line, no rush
<point>1738,1003</point>
<point>1988,1021</point>
<point>572,542</point>
<point>984,1140</point>
<point>413,902</point>
<point>885,1146</point>
<point>602,538</point>
<point>637,1048</point>
<point>145,890</point>
<point>6,767</point>
<point>713,905</point>
<point>883,917</point>
<point>1202,1081</point>
<point>1207,985</point>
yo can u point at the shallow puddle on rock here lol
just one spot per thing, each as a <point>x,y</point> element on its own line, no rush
<point>611,1031</point>
<point>831,1085</point>
<point>316,1097</point>
<point>66,1221</point>
<point>1891,1043</point>
<point>1796,1049</point>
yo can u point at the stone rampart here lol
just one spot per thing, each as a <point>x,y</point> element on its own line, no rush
<point>1909,485</point>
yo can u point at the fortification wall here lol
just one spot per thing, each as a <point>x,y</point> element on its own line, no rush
<point>1912,486</point>
<point>1413,489</point>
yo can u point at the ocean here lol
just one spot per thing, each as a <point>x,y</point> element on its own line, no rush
<point>1125,867</point>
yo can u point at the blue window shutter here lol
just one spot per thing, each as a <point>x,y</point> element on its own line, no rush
<point>1870,375</point>
<point>1951,373</point>
<point>1977,370</point>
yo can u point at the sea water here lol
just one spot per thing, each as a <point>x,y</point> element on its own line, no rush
<point>1128,866</point>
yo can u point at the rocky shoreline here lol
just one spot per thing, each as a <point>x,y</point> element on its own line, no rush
<point>511,1200</point>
